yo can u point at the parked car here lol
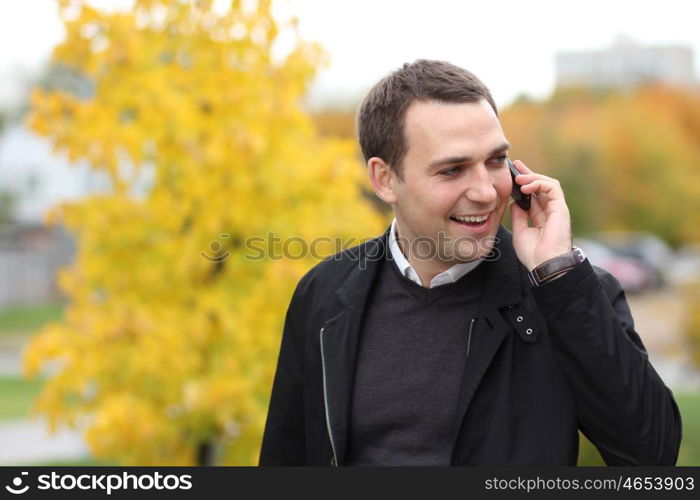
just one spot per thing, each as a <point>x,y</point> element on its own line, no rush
<point>633,274</point>
<point>654,252</point>
<point>684,268</point>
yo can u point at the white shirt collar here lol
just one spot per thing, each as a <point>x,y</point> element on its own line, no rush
<point>448,276</point>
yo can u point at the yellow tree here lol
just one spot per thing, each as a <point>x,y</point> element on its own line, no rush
<point>185,265</point>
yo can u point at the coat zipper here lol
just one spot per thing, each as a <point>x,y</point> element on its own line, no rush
<point>334,461</point>
<point>469,337</point>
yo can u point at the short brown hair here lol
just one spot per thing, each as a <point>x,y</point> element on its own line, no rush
<point>381,118</point>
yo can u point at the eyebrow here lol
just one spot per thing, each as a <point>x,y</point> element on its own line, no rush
<point>450,160</point>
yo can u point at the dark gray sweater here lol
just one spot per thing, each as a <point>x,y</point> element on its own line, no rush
<point>410,365</point>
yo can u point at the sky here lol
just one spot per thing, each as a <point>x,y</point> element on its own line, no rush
<point>510,45</point>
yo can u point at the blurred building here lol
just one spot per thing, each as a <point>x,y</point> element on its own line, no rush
<point>30,252</point>
<point>626,64</point>
<point>30,256</point>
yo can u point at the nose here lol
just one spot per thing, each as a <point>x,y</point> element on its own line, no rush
<point>481,187</point>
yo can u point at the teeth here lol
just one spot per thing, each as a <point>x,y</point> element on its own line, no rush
<point>479,218</point>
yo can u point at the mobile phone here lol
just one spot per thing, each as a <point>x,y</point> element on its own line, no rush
<point>523,200</point>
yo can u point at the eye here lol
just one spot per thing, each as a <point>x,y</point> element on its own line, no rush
<point>451,172</point>
<point>498,160</point>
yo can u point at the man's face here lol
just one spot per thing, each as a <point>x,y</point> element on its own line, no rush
<point>454,168</point>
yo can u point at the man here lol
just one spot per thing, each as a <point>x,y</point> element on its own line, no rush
<point>447,340</point>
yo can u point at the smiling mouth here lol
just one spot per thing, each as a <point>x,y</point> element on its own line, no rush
<point>474,221</point>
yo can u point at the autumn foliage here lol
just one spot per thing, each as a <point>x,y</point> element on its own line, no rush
<point>168,345</point>
<point>627,160</point>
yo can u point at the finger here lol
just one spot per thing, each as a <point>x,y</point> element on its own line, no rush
<point>522,168</point>
<point>527,178</point>
<point>540,201</point>
<point>550,188</point>
<point>528,175</point>
<point>537,211</point>
<point>518,218</point>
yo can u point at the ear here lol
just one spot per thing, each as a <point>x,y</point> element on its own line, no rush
<point>382,178</point>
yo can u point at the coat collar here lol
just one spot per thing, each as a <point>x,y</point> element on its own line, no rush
<point>358,284</point>
<point>502,277</point>
<point>502,287</point>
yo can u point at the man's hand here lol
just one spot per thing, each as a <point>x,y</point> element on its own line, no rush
<point>550,234</point>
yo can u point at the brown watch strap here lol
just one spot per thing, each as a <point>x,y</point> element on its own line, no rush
<point>555,266</point>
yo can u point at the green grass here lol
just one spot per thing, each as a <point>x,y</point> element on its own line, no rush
<point>17,396</point>
<point>689,405</point>
<point>26,319</point>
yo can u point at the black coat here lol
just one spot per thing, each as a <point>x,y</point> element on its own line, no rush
<point>544,362</point>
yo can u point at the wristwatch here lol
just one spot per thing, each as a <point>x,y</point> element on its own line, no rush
<point>556,266</point>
